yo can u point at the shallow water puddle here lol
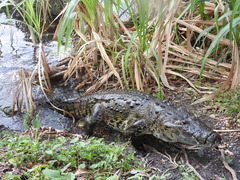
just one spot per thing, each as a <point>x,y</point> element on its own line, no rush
<point>17,51</point>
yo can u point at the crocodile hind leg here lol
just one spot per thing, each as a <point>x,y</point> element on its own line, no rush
<point>90,121</point>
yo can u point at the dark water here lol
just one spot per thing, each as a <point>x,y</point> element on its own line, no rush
<point>17,51</point>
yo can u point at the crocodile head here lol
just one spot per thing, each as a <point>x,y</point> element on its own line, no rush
<point>179,126</point>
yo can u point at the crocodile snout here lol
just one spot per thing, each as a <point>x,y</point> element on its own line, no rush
<point>214,139</point>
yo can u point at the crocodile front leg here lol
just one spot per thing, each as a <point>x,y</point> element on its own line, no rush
<point>91,120</point>
<point>137,128</point>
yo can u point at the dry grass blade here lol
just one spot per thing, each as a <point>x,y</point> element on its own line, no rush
<point>106,57</point>
<point>138,76</point>
<point>157,35</point>
<point>231,170</point>
<point>191,167</point>
<point>45,67</point>
<point>55,35</point>
<point>74,64</point>
<point>78,31</point>
<point>236,65</point>
<point>103,79</point>
<point>22,94</point>
<point>83,59</point>
<point>208,35</point>
<point>59,23</point>
<point>164,30</point>
<point>123,27</point>
<point>44,71</point>
<point>194,56</point>
<point>188,81</point>
<point>205,98</point>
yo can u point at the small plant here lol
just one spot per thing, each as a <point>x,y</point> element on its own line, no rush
<point>186,172</point>
<point>30,121</point>
<point>228,102</point>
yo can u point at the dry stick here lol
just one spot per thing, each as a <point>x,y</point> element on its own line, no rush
<point>227,130</point>
<point>191,167</point>
<point>166,156</point>
<point>189,82</point>
<point>231,170</point>
<point>65,168</point>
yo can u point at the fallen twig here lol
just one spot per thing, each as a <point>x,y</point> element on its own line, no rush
<point>172,160</point>
<point>50,131</point>
<point>227,130</point>
<point>191,167</point>
<point>231,170</point>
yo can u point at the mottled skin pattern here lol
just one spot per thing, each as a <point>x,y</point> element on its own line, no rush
<point>135,113</point>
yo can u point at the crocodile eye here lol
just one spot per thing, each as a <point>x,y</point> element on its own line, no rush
<point>182,122</point>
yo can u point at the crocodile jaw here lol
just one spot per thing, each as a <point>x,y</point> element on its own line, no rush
<point>187,130</point>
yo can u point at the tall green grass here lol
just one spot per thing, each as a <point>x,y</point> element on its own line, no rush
<point>67,24</point>
<point>140,20</point>
<point>229,29</point>
<point>33,14</point>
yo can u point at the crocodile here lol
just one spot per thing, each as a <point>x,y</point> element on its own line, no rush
<point>136,113</point>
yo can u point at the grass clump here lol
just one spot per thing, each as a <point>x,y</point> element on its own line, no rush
<point>26,157</point>
<point>228,102</point>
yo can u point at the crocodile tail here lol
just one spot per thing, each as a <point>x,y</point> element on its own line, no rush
<point>59,105</point>
<point>56,102</point>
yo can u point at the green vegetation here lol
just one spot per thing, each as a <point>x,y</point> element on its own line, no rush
<point>186,172</point>
<point>64,158</point>
<point>228,102</point>
<point>34,15</point>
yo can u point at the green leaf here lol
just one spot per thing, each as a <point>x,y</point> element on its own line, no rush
<point>228,159</point>
<point>12,176</point>
<point>114,177</point>
<point>13,161</point>
<point>56,175</point>
<point>67,23</point>
<point>67,176</point>
<point>94,166</point>
<point>56,146</point>
<point>49,152</point>
<point>62,158</point>
<point>82,166</point>
<point>4,4</point>
<point>52,174</point>
<point>74,140</point>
